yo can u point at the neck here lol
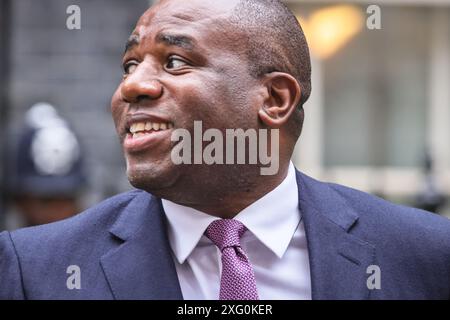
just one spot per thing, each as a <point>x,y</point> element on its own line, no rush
<point>232,196</point>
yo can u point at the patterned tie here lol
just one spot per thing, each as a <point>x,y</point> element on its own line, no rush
<point>238,280</point>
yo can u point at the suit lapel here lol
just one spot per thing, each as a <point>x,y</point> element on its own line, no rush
<point>338,259</point>
<point>141,266</point>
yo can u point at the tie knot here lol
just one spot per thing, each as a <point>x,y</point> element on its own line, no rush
<point>225,233</point>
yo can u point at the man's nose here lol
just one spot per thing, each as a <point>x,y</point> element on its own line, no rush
<point>141,85</point>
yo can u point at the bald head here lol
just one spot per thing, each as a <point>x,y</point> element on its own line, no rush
<point>275,40</point>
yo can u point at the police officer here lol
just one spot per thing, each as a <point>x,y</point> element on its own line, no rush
<point>48,169</point>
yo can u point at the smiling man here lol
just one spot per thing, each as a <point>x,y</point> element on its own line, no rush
<point>223,230</point>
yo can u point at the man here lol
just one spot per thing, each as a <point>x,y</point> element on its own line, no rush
<point>209,231</point>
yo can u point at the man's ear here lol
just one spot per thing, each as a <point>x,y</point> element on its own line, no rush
<point>283,97</point>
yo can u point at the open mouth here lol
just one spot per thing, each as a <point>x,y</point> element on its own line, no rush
<point>143,135</point>
<point>140,129</point>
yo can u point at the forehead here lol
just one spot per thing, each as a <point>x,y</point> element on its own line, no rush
<point>203,20</point>
<point>194,8</point>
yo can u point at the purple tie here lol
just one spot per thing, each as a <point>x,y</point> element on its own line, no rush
<point>238,280</point>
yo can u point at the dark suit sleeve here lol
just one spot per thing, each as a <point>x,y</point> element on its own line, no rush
<point>10,274</point>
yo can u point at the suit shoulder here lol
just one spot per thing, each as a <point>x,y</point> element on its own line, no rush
<point>370,204</point>
<point>94,220</point>
<point>395,220</point>
<point>10,278</point>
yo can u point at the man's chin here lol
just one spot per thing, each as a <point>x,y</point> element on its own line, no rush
<point>150,177</point>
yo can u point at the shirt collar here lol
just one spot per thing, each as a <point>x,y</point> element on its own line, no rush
<point>272,219</point>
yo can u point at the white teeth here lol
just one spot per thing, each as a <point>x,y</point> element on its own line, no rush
<point>138,129</point>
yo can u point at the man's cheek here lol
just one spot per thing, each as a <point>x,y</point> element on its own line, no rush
<point>117,110</point>
<point>193,109</point>
<point>116,120</point>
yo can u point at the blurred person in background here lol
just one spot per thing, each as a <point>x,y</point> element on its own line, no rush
<point>47,168</point>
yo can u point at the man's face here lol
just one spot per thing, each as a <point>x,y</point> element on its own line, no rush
<point>182,65</point>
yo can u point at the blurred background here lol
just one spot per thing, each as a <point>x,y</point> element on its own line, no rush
<point>377,119</point>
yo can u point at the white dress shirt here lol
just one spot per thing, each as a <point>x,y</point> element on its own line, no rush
<point>275,244</point>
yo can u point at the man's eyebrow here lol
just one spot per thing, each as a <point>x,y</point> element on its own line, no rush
<point>177,40</point>
<point>132,41</point>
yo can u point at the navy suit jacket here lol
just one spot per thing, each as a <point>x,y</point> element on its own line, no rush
<point>122,250</point>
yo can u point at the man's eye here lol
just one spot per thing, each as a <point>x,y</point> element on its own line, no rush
<point>129,67</point>
<point>175,63</point>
